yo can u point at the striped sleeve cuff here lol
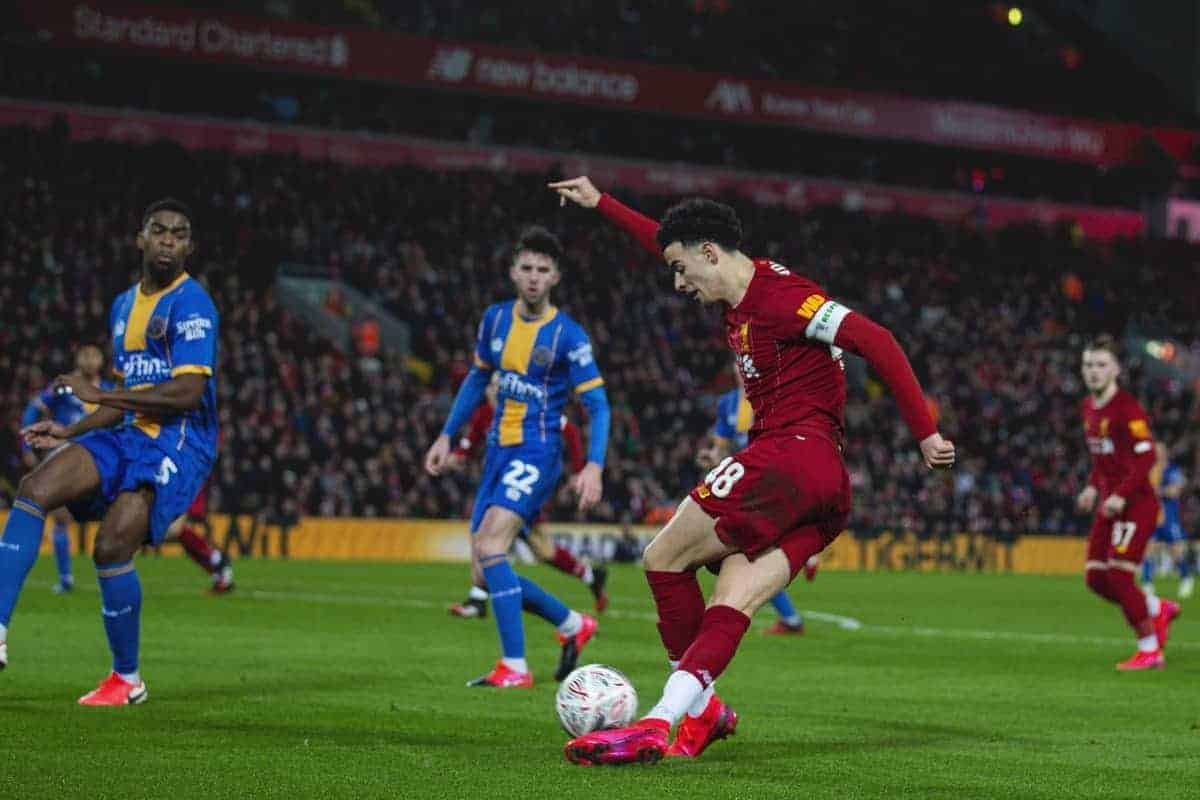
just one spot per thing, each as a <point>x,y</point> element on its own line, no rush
<point>589,385</point>
<point>191,369</point>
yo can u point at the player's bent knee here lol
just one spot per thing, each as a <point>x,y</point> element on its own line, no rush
<point>111,551</point>
<point>33,487</point>
<point>748,585</point>
<point>659,556</point>
<point>1096,579</point>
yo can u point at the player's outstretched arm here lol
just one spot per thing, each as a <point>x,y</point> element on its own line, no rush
<point>184,392</point>
<point>469,396</point>
<point>583,192</point>
<point>859,334</point>
<point>588,483</point>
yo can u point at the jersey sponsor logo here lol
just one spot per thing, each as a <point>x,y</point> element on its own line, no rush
<point>193,328</point>
<point>1100,446</point>
<point>514,386</point>
<point>542,355</point>
<point>1139,428</point>
<point>810,305</point>
<point>581,355</point>
<point>142,368</point>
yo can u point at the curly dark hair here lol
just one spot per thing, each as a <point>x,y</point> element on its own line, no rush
<point>699,220</point>
<point>537,239</point>
<point>168,204</point>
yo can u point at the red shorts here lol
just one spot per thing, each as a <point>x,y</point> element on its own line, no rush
<point>198,510</point>
<point>783,490</point>
<point>1125,537</point>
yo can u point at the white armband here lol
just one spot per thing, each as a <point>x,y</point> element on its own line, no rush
<point>825,323</point>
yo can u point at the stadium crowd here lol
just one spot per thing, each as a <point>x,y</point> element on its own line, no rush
<point>993,324</point>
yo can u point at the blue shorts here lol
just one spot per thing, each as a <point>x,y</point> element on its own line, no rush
<point>520,478</point>
<point>1171,533</point>
<point>128,459</point>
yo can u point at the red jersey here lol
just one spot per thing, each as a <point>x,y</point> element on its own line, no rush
<point>788,337</point>
<point>1122,447</point>
<point>472,443</point>
<point>794,376</point>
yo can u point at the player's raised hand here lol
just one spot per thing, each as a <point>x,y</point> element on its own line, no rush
<point>44,435</point>
<point>937,452</point>
<point>438,455</point>
<point>580,191</point>
<point>587,483</point>
<point>1086,500</point>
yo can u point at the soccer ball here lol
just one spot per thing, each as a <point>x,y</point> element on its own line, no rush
<point>594,697</point>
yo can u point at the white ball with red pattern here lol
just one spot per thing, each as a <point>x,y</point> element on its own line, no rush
<point>595,697</point>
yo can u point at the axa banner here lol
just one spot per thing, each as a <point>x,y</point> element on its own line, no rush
<point>219,37</point>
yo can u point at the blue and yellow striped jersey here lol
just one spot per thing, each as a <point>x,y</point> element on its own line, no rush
<point>158,336</point>
<point>734,418</point>
<point>539,362</point>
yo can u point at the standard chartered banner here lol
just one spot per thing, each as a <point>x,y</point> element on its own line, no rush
<point>210,36</point>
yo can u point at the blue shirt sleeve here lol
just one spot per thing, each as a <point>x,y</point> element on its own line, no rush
<point>467,400</point>
<point>582,371</point>
<point>585,380</point>
<point>725,409</point>
<point>595,400</point>
<point>483,349</point>
<point>193,334</point>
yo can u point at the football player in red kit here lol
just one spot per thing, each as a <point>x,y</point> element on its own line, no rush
<point>762,512</point>
<point>1122,449</point>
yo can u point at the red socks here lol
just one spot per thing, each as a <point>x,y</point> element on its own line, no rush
<point>720,634</point>
<point>565,562</point>
<point>196,547</point>
<point>680,609</point>
<point>1097,581</point>
<point>1133,602</point>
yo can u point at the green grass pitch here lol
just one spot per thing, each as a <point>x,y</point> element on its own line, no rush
<point>328,680</point>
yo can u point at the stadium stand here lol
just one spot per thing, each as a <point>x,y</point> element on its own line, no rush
<point>992,325</point>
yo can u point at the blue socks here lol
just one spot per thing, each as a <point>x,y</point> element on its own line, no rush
<point>537,600</point>
<point>1147,571</point>
<point>787,611</point>
<point>1184,566</point>
<point>62,555</point>
<point>506,604</point>
<point>18,551</point>
<point>121,592</point>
